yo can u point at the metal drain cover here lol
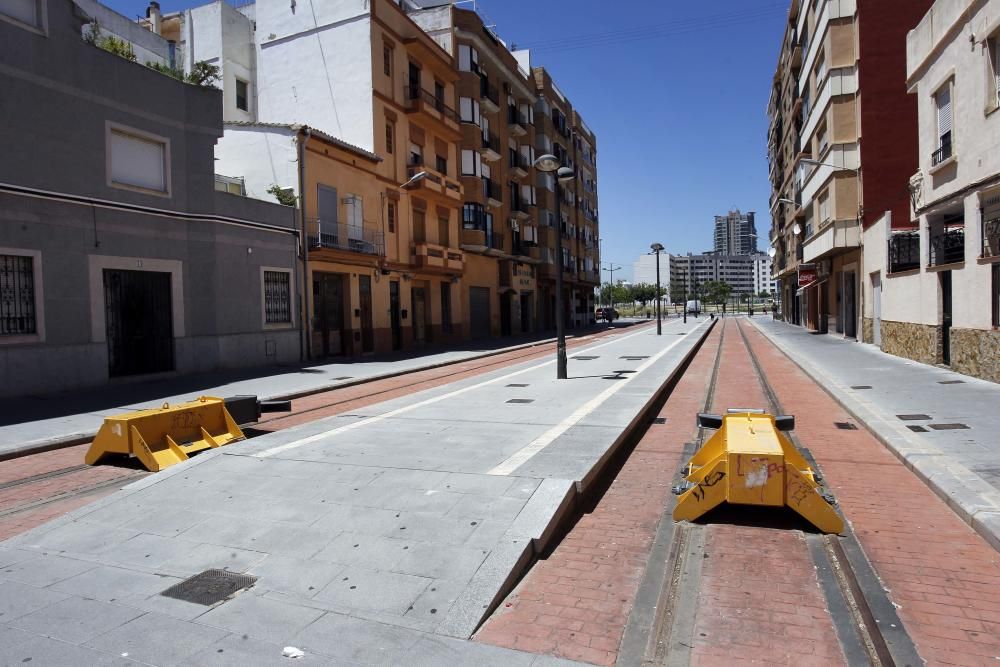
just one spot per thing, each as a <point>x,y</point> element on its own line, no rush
<point>947,427</point>
<point>845,426</point>
<point>584,358</point>
<point>517,385</point>
<point>659,420</point>
<point>951,382</point>
<point>521,400</point>
<point>209,587</point>
<point>861,386</point>
<point>910,418</point>
<point>916,429</point>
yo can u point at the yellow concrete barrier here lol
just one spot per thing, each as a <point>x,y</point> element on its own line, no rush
<point>163,436</point>
<point>750,461</point>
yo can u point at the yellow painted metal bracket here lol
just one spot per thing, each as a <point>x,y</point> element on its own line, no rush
<point>164,436</point>
<point>750,461</point>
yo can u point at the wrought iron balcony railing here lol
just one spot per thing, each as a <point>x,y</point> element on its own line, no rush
<point>904,251</point>
<point>344,237</point>
<point>942,153</point>
<point>947,245</point>
<point>415,93</point>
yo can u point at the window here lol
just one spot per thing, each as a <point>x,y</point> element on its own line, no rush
<point>26,12</point>
<point>390,132</point>
<point>241,95</point>
<point>17,295</point>
<point>416,154</point>
<point>942,104</point>
<point>277,297</point>
<point>821,139</point>
<point>138,160</point>
<point>387,60</point>
<point>419,226</point>
<point>441,164</point>
<point>824,207</point>
<point>391,215</point>
<point>471,163</point>
<point>468,58</point>
<point>468,110</point>
<point>993,85</point>
<point>444,237</point>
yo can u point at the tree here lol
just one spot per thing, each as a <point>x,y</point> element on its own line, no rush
<point>285,196</point>
<point>717,291</point>
<point>764,294</point>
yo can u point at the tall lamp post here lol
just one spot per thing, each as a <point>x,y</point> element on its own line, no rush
<point>611,288</point>
<point>657,249</point>
<point>549,164</point>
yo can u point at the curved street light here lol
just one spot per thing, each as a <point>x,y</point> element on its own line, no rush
<point>550,164</point>
<point>657,248</point>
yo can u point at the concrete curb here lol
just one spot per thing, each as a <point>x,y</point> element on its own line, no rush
<point>73,439</point>
<point>966,493</point>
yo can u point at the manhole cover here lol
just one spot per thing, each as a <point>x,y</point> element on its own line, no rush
<point>951,382</point>
<point>209,587</point>
<point>517,385</point>
<point>521,400</point>
<point>584,358</point>
<point>861,386</point>
<point>947,427</point>
<point>659,420</point>
<point>845,426</point>
<point>910,418</point>
<point>916,429</point>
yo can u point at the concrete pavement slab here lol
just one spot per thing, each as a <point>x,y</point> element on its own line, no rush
<point>76,620</point>
<point>245,651</point>
<point>22,648</point>
<point>878,388</point>
<point>17,599</point>
<point>439,539</point>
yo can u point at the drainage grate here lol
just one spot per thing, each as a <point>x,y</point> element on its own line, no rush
<point>521,400</point>
<point>683,333</point>
<point>659,420</point>
<point>916,429</point>
<point>951,382</point>
<point>209,587</point>
<point>345,377</point>
<point>634,358</point>
<point>845,426</point>
<point>947,427</point>
<point>517,385</point>
<point>626,371</point>
<point>861,386</point>
<point>585,358</point>
<point>910,418</point>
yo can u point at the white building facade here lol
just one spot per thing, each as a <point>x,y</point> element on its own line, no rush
<point>939,300</point>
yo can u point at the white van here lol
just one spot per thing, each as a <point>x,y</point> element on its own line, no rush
<point>694,307</point>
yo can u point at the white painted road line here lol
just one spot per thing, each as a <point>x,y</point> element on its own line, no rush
<point>518,458</point>
<point>430,401</point>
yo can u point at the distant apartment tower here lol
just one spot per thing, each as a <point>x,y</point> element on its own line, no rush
<point>688,273</point>
<point>735,233</point>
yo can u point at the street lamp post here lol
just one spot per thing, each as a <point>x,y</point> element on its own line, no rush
<point>550,164</point>
<point>611,288</point>
<point>657,249</point>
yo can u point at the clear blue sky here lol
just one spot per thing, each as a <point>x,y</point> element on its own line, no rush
<point>676,93</point>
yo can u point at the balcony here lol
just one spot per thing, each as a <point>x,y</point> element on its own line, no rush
<point>991,238</point>
<point>493,193</point>
<point>520,209</point>
<point>947,245</point>
<point>419,100</point>
<point>517,163</point>
<point>350,238</point>
<point>489,98</point>
<point>904,251</point>
<point>434,183</point>
<point>491,148</point>
<point>944,152</point>
<point>437,258</point>
<point>517,122</point>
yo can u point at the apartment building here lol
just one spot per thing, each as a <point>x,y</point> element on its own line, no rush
<point>735,233</point>
<point>935,273</point>
<point>745,274</point>
<point>561,131</point>
<point>368,150</point>
<point>499,215</point>
<point>838,146</point>
<point>118,258</point>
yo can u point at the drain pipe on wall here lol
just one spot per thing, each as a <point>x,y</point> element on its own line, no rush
<point>304,339</point>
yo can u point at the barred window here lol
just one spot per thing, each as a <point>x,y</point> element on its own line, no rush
<point>277,297</point>
<point>17,295</point>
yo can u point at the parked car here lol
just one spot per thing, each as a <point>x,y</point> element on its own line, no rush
<point>606,313</point>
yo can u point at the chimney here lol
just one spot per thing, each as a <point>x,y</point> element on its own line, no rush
<point>154,16</point>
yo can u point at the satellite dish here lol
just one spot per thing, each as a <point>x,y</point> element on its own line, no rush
<point>772,252</point>
<point>796,229</point>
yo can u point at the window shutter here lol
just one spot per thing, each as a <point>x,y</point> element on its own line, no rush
<point>469,163</point>
<point>137,161</point>
<point>944,110</point>
<point>996,66</point>
<point>327,204</point>
<point>464,58</point>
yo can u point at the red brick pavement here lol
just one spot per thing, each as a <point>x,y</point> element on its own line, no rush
<point>759,599</point>
<point>575,603</point>
<point>943,576</point>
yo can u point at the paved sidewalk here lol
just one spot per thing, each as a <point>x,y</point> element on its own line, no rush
<point>32,423</point>
<point>379,537</point>
<point>949,434</point>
